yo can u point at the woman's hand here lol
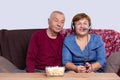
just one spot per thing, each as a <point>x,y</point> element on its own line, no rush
<point>81,69</point>
<point>88,67</point>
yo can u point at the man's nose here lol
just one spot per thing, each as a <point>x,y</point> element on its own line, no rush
<point>59,24</point>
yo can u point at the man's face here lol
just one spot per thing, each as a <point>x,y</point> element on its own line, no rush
<point>56,22</point>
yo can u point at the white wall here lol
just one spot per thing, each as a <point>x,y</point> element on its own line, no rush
<point>26,14</point>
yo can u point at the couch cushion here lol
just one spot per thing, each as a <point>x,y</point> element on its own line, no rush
<point>6,65</point>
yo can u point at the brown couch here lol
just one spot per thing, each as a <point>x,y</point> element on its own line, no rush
<point>14,43</point>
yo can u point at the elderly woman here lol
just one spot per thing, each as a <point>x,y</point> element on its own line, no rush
<point>82,51</point>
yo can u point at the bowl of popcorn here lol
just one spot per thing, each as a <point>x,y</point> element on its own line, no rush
<point>55,71</point>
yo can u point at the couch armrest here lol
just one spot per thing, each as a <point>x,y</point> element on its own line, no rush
<point>6,65</point>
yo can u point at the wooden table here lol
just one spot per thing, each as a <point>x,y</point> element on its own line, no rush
<point>67,76</point>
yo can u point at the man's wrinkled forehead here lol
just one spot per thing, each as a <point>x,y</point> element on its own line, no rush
<point>57,16</point>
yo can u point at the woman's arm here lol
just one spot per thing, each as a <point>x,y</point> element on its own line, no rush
<point>92,67</point>
<point>101,55</point>
<point>77,69</point>
<point>95,66</point>
<point>71,66</point>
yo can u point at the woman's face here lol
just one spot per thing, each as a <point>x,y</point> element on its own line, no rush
<point>82,27</point>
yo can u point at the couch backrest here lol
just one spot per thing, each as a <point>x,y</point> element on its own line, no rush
<point>0,42</point>
<point>111,40</point>
<point>14,43</point>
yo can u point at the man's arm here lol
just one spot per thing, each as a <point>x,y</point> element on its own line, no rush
<point>30,59</point>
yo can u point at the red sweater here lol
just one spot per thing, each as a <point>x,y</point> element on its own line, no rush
<point>44,51</point>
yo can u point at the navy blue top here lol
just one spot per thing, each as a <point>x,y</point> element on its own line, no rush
<point>93,52</point>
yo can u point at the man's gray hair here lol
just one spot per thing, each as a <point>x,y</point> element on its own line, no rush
<point>59,12</point>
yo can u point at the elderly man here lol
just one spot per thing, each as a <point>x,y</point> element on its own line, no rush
<point>45,48</point>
